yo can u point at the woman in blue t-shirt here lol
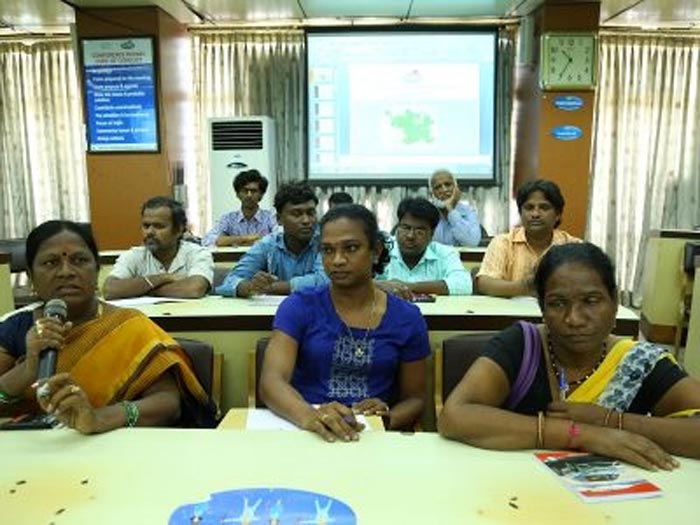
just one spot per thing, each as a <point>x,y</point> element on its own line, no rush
<point>349,347</point>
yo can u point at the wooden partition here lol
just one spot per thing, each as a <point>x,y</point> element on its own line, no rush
<point>119,183</point>
<point>538,154</point>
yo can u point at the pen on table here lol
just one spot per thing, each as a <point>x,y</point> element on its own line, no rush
<point>563,385</point>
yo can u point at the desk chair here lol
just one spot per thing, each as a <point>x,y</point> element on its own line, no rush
<point>21,291</point>
<point>16,249</point>
<point>691,250</point>
<point>452,361</point>
<point>220,273</point>
<point>207,367</point>
<point>255,362</point>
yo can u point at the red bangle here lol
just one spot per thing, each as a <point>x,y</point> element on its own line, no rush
<point>574,431</point>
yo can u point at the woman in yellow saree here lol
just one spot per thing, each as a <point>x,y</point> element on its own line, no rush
<point>114,366</point>
<point>570,384</point>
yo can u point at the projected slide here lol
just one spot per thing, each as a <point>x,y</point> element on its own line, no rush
<point>397,106</point>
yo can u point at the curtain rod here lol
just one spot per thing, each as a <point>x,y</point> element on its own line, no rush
<point>287,25</point>
<point>35,36</point>
<point>692,34</point>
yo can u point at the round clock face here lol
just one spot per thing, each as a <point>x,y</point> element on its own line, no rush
<point>568,61</point>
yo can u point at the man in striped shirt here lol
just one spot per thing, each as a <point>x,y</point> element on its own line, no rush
<point>249,224</point>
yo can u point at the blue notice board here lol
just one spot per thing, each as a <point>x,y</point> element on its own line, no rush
<point>120,95</point>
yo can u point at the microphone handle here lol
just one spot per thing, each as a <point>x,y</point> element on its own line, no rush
<point>47,363</point>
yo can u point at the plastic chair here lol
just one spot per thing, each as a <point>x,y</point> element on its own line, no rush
<point>452,361</point>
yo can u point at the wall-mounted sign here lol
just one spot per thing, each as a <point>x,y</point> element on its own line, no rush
<point>120,94</point>
<point>566,133</point>
<point>568,102</point>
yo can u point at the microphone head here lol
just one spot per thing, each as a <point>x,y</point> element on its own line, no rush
<point>56,308</point>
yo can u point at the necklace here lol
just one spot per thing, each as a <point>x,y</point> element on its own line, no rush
<point>360,345</point>
<point>559,373</point>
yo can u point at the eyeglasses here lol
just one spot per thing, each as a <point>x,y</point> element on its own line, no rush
<point>421,232</point>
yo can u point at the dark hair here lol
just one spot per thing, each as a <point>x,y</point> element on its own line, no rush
<point>179,217</point>
<point>357,212</point>
<point>420,208</point>
<point>294,193</point>
<point>48,229</point>
<point>583,253</point>
<point>340,197</point>
<point>548,188</point>
<point>248,176</point>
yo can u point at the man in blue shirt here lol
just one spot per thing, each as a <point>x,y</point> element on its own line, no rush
<point>419,265</point>
<point>281,263</point>
<point>459,223</point>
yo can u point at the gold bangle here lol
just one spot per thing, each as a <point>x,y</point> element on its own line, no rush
<point>608,413</point>
<point>148,282</point>
<point>620,421</point>
<point>540,429</point>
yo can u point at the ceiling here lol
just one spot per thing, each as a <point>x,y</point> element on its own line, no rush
<point>54,16</point>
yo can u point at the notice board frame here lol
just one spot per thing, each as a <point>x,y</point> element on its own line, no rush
<point>113,44</point>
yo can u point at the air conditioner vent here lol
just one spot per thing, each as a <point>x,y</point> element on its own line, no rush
<point>237,135</point>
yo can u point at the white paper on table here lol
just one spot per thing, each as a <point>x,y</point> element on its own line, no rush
<point>524,299</point>
<point>267,300</point>
<point>146,299</point>
<point>265,419</point>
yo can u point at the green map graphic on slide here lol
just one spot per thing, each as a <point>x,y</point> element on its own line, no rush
<point>416,127</point>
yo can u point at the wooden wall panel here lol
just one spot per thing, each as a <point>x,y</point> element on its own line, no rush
<point>120,183</point>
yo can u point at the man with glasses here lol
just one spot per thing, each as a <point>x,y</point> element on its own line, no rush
<point>418,265</point>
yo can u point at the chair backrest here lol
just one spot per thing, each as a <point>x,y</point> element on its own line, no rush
<point>453,360</point>
<point>255,363</point>
<point>202,356</point>
<point>16,249</point>
<point>220,273</point>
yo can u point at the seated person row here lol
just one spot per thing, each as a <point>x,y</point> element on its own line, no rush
<point>249,224</point>
<point>510,259</point>
<point>348,347</point>
<point>417,263</point>
<point>282,262</point>
<point>459,223</point>
<point>587,389</point>
<point>166,265</point>
<point>114,366</point>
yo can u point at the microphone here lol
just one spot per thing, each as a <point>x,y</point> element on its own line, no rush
<point>57,309</point>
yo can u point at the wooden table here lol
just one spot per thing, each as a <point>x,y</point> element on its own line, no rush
<point>460,313</point>
<point>140,476</point>
<point>234,254</point>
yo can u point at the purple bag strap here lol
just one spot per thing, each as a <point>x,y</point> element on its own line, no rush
<point>531,361</point>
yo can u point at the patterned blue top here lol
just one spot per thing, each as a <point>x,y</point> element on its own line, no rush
<point>460,228</point>
<point>235,224</point>
<point>334,366</point>
<point>270,254</point>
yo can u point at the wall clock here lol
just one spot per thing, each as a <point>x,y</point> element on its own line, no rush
<point>568,61</point>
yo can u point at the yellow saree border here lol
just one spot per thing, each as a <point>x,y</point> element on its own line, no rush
<point>589,391</point>
<point>121,354</point>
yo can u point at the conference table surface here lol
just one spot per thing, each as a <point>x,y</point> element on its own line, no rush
<point>475,312</point>
<point>141,476</point>
<point>234,254</point>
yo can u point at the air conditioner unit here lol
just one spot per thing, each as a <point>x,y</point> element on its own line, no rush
<point>237,144</point>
